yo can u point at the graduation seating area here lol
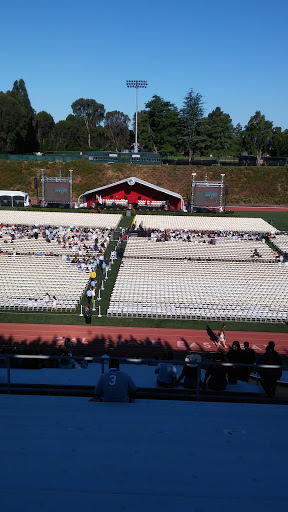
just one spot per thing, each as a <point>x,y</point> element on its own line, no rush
<point>30,218</point>
<point>51,271</point>
<point>212,290</point>
<point>281,242</point>
<point>214,268</point>
<point>201,223</point>
<point>40,283</point>
<point>225,249</point>
<point>73,245</point>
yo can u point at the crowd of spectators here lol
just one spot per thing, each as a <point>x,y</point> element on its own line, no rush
<point>83,246</point>
<point>75,240</point>
<point>226,368</point>
<point>238,365</point>
<point>193,236</point>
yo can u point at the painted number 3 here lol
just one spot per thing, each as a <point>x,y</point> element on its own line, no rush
<point>112,380</point>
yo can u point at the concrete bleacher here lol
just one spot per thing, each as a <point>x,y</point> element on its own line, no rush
<point>63,453</point>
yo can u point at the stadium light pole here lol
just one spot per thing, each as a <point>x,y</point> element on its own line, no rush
<point>192,194</point>
<point>222,186</point>
<point>136,84</point>
<point>42,183</point>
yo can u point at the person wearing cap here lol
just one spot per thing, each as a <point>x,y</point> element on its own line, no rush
<point>190,372</point>
<point>115,385</point>
<point>166,375</point>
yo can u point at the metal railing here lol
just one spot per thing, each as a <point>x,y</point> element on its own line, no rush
<point>197,393</point>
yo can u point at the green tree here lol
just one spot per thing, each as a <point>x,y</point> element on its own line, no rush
<point>220,132</point>
<point>45,129</point>
<point>257,135</point>
<point>116,130</point>
<point>284,143</point>
<point>90,112</point>
<point>237,140</point>
<point>10,121</point>
<point>70,134</point>
<point>192,137</point>
<point>158,126</point>
<point>26,134</point>
<point>279,142</point>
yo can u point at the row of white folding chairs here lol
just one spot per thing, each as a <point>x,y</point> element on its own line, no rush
<point>183,250</point>
<point>199,223</point>
<point>65,219</point>
<point>221,315</point>
<point>25,246</point>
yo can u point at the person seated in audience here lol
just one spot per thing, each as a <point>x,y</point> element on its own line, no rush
<point>270,376</point>
<point>234,355</point>
<point>68,344</point>
<point>115,385</point>
<point>167,375</point>
<point>215,375</point>
<point>248,357</point>
<point>66,361</point>
<point>255,254</point>
<point>191,373</point>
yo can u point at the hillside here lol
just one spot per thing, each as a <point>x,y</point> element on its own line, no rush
<point>247,185</point>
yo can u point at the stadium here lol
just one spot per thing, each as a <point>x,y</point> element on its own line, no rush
<point>165,283</point>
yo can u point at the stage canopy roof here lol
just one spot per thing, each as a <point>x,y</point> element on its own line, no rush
<point>132,188</point>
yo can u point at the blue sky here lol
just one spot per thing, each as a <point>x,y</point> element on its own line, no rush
<point>233,53</point>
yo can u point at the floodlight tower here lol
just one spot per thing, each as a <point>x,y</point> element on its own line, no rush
<point>193,186</point>
<point>136,84</point>
<point>222,186</point>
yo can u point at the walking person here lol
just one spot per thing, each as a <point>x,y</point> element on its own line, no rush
<point>87,315</point>
<point>222,336</point>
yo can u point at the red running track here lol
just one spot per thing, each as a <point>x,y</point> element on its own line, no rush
<point>176,339</point>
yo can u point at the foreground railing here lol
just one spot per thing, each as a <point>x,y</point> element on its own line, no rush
<point>10,362</point>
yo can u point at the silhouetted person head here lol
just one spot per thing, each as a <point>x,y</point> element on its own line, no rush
<point>114,363</point>
<point>192,360</point>
<point>271,345</point>
<point>218,357</point>
<point>246,344</point>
